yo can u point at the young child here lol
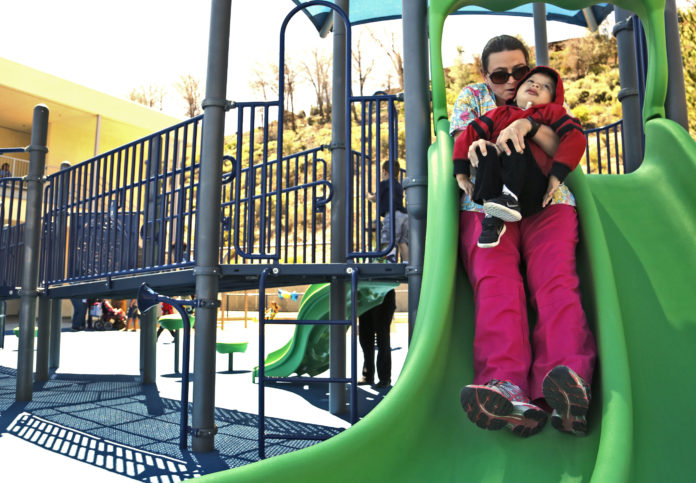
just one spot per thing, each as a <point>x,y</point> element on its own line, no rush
<point>514,185</point>
<point>400,216</point>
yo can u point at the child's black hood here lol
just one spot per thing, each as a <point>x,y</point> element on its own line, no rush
<point>544,69</point>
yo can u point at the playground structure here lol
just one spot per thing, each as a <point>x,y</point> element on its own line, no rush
<point>632,290</point>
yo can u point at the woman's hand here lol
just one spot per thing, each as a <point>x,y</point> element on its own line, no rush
<point>483,146</point>
<point>465,184</point>
<point>515,132</point>
<point>554,183</point>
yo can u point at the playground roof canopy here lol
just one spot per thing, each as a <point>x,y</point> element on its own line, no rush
<point>366,11</point>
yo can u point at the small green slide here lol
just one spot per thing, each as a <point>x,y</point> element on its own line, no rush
<point>637,264</point>
<point>307,352</point>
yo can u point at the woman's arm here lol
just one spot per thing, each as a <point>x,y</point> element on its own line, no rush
<point>545,137</point>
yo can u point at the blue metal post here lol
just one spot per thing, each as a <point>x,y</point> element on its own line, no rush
<point>32,238</point>
<point>417,113</point>
<point>541,43</point>
<point>42,343</point>
<point>54,333</point>
<point>262,363</point>
<point>61,238</point>
<point>185,322</point>
<point>632,131</point>
<point>207,269</point>
<point>675,105</point>
<point>339,140</point>
<point>3,310</point>
<point>148,322</point>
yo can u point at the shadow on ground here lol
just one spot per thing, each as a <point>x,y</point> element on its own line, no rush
<point>120,425</point>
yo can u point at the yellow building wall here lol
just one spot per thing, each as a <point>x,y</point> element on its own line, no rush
<point>73,114</point>
<point>10,138</point>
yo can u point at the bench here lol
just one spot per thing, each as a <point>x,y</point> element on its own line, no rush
<point>230,348</point>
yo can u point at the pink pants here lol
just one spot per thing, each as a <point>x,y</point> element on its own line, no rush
<point>546,243</point>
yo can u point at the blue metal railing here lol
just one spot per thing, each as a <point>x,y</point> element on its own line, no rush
<point>125,211</point>
<point>12,215</point>
<point>249,229</point>
<point>378,143</point>
<point>132,209</point>
<point>604,148</point>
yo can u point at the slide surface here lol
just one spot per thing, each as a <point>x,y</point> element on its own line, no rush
<point>637,264</point>
<point>307,351</point>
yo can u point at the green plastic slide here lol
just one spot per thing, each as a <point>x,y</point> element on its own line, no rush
<point>307,352</point>
<point>637,263</point>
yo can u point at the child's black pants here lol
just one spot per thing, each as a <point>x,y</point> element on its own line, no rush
<point>519,172</point>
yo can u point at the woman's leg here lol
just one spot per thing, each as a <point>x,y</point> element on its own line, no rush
<point>561,335</point>
<point>501,340</point>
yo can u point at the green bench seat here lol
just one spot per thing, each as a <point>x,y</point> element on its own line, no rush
<point>230,348</point>
<point>16,331</point>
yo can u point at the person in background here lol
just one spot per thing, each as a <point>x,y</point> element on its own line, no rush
<point>400,216</point>
<point>167,309</point>
<point>79,314</point>
<point>5,171</point>
<point>375,324</point>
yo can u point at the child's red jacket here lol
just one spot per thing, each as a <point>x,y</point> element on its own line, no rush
<point>572,139</point>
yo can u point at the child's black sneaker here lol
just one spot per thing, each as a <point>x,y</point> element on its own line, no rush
<point>491,230</point>
<point>569,396</point>
<point>505,207</point>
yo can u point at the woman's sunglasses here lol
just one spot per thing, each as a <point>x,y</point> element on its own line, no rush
<point>501,76</point>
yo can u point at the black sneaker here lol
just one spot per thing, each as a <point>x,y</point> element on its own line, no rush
<point>491,230</point>
<point>505,207</point>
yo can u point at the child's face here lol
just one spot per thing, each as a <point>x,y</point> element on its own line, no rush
<point>538,89</point>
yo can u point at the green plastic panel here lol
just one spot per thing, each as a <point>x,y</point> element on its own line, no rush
<point>307,352</point>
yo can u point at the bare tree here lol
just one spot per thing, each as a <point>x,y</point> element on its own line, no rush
<point>190,89</point>
<point>261,81</point>
<point>317,72</point>
<point>393,51</point>
<point>290,83</point>
<point>360,64</point>
<point>150,95</point>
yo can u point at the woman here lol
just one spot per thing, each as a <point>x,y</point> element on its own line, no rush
<point>514,383</point>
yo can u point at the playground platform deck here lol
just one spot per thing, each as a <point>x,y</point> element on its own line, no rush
<point>94,420</point>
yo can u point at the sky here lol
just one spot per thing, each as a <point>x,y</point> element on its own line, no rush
<point>114,47</point>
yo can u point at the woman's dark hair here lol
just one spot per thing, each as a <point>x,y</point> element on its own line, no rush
<point>502,43</point>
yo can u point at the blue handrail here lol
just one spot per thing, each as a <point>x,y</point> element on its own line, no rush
<point>12,208</point>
